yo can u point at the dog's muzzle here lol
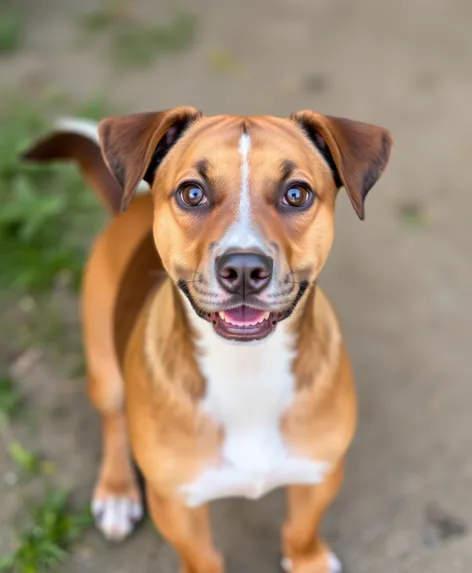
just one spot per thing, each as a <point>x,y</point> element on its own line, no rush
<point>243,273</point>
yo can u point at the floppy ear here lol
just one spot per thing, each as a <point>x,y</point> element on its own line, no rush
<point>134,145</point>
<point>76,140</point>
<point>357,152</point>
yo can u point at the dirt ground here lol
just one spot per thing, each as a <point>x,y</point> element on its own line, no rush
<point>401,281</point>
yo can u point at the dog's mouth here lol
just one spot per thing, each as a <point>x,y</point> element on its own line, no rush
<point>244,323</point>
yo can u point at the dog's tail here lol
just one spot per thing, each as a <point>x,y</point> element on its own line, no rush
<point>74,139</point>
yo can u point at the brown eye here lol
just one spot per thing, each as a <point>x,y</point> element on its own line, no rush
<point>193,196</point>
<point>297,196</point>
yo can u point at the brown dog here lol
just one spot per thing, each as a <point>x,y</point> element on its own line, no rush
<point>226,372</point>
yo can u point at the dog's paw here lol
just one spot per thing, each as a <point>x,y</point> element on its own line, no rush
<point>116,517</point>
<point>334,565</point>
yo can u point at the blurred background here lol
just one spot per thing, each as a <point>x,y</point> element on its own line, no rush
<point>401,281</point>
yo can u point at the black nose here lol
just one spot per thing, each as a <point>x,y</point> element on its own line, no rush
<point>244,273</point>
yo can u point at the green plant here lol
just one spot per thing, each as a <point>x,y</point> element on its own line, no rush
<point>11,31</point>
<point>221,61</point>
<point>97,20</point>
<point>139,45</point>
<point>413,215</point>
<point>133,42</point>
<point>44,541</point>
<point>28,463</point>
<point>10,399</point>
<point>94,108</point>
<point>47,214</point>
<point>110,14</point>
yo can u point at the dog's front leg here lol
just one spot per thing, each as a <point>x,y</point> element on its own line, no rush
<point>116,501</point>
<point>304,550</point>
<point>188,530</point>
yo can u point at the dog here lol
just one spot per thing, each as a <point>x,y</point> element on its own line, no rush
<point>212,353</point>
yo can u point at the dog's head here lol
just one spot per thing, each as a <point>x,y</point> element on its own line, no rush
<point>244,206</point>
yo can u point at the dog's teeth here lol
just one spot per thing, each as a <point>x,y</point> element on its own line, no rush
<point>265,316</point>
<point>224,317</point>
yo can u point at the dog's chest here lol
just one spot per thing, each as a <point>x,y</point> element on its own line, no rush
<point>249,387</point>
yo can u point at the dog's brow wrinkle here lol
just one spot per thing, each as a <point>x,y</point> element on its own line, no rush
<point>202,168</point>
<point>287,169</point>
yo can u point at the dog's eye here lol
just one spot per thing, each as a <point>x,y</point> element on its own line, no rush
<point>192,195</point>
<point>297,196</point>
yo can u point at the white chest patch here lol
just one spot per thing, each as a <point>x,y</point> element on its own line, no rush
<point>249,386</point>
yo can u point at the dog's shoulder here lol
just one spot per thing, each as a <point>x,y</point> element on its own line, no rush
<point>320,342</point>
<point>141,280</point>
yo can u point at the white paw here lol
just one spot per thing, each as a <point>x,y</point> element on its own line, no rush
<point>116,517</point>
<point>286,564</point>
<point>333,563</point>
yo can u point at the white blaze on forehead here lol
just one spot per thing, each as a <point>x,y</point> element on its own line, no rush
<point>243,234</point>
<point>244,203</point>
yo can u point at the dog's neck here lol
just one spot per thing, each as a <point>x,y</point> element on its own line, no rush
<point>178,340</point>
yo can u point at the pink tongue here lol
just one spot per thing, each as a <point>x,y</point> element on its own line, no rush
<point>243,316</point>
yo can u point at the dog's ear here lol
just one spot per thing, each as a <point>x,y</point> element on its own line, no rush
<point>76,140</point>
<point>134,145</point>
<point>357,152</point>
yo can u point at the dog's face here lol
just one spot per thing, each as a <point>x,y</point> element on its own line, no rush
<point>244,220</point>
<point>244,206</point>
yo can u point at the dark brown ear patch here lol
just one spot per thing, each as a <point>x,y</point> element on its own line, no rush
<point>357,152</point>
<point>174,133</point>
<point>323,148</point>
<point>379,163</point>
<point>135,145</point>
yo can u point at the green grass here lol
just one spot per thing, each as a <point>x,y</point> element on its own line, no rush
<point>79,369</point>
<point>47,213</point>
<point>95,108</point>
<point>413,215</point>
<point>45,325</point>
<point>107,16</point>
<point>135,43</point>
<point>222,62</point>
<point>138,45</point>
<point>10,399</point>
<point>11,31</point>
<point>28,463</point>
<point>47,220</point>
<point>98,20</point>
<point>43,542</point>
